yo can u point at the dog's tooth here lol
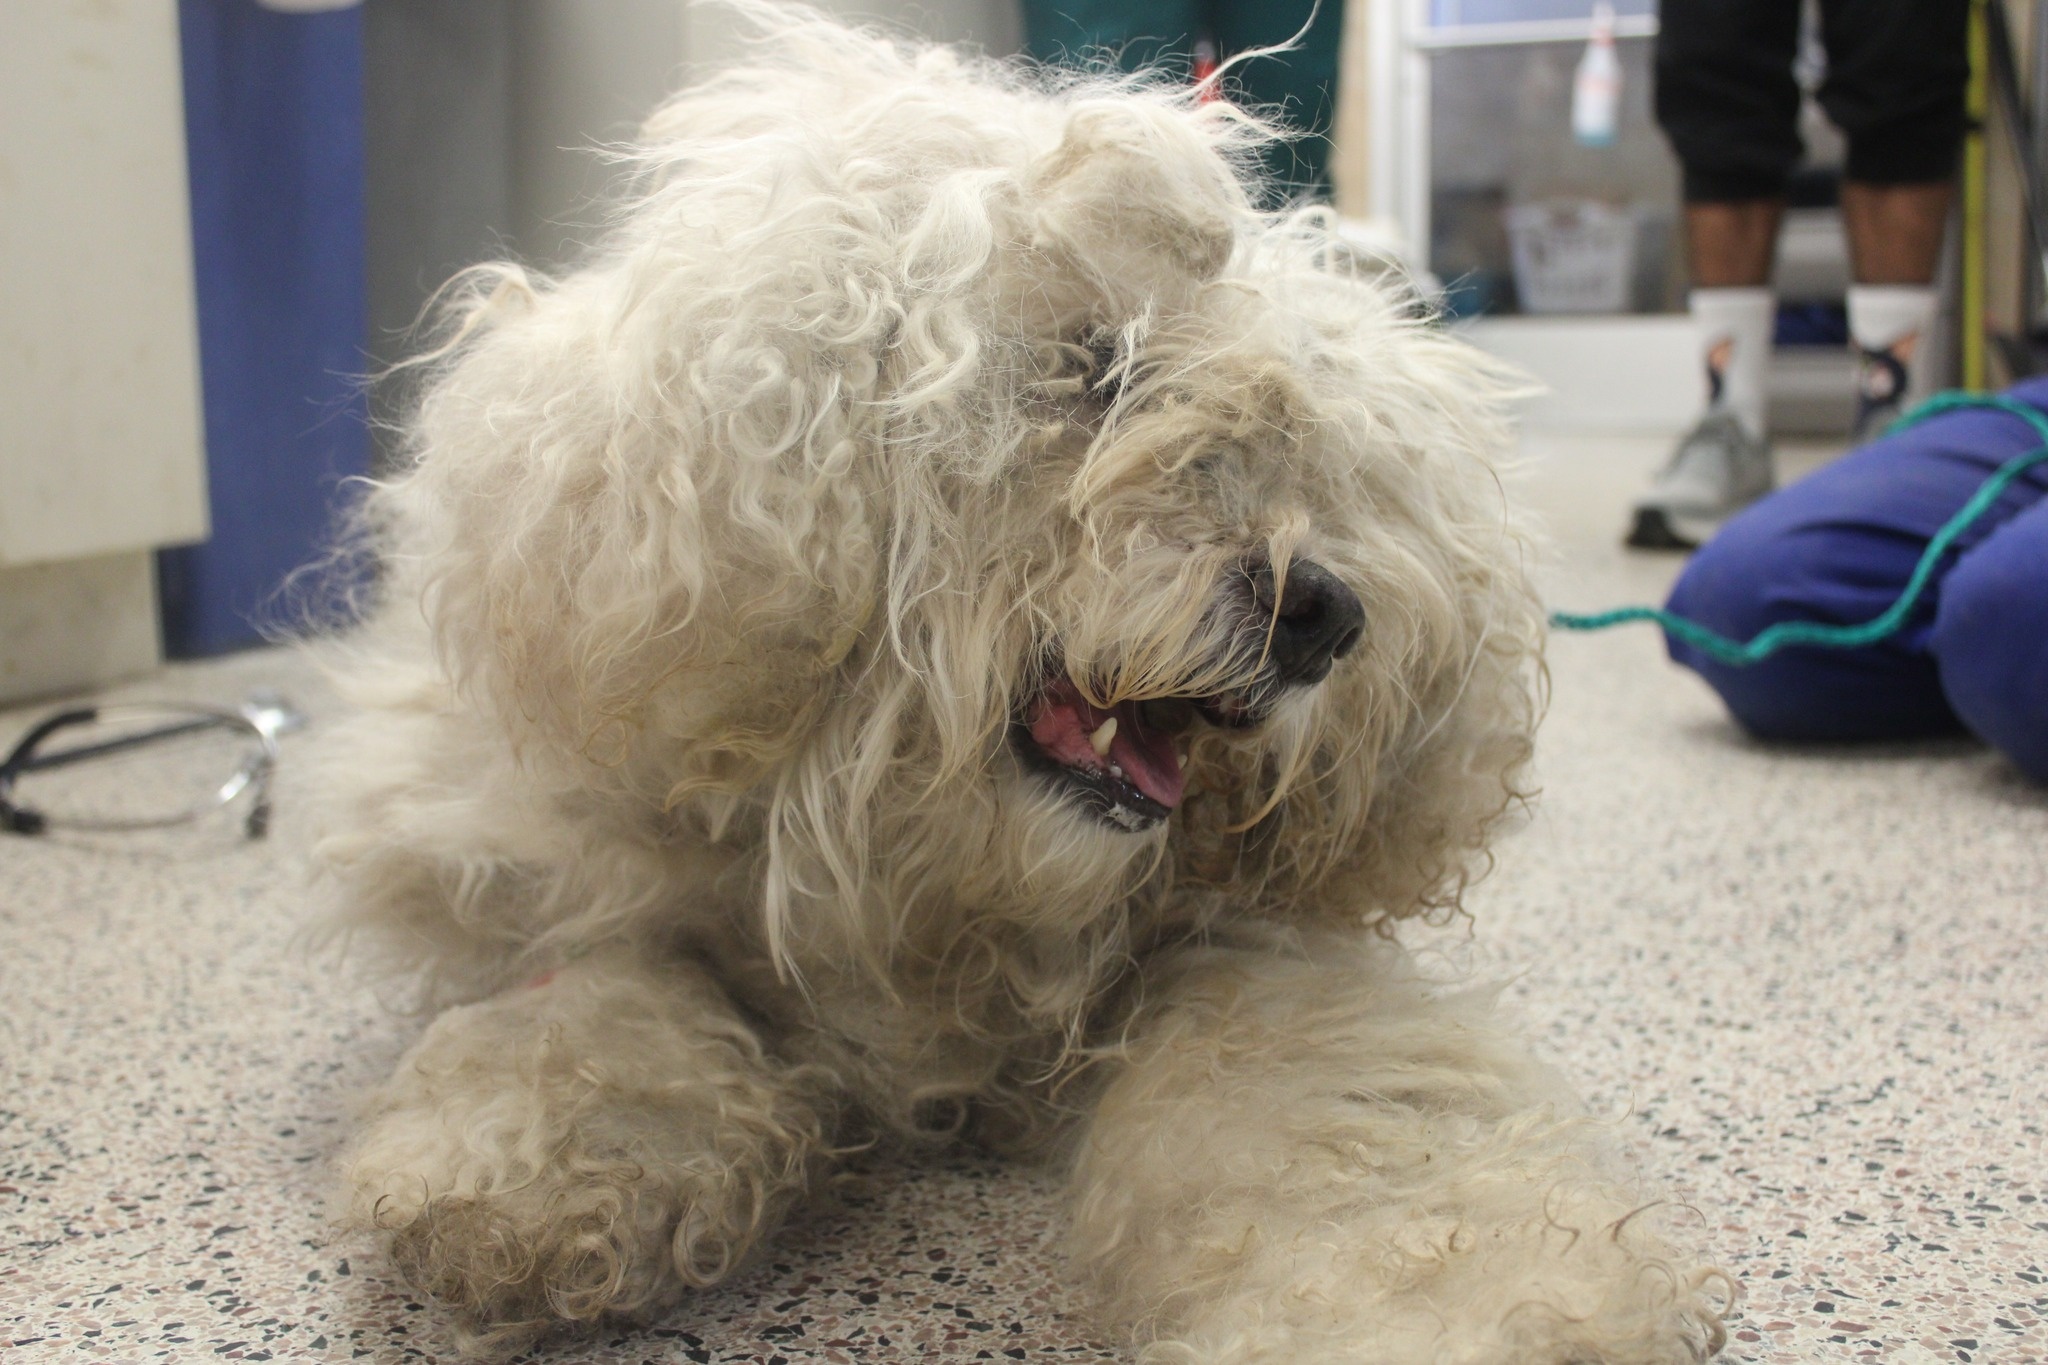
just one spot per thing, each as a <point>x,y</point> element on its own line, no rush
<point>1104,734</point>
<point>1116,771</point>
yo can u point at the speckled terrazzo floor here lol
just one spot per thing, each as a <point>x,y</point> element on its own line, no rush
<point>1809,981</point>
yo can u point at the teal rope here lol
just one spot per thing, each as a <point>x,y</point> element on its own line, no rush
<point>1788,633</point>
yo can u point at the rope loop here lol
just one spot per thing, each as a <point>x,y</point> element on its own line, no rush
<point>1785,634</point>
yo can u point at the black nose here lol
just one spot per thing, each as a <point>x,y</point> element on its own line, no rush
<point>1316,621</point>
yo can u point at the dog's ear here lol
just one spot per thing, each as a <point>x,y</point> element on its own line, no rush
<point>1137,207</point>
<point>620,549</point>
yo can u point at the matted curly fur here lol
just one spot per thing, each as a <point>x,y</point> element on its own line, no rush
<point>955,622</point>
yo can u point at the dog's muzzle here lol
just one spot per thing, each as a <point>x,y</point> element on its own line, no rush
<point>1125,763</point>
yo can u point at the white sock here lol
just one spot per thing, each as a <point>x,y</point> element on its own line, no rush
<point>1734,328</point>
<point>1892,320</point>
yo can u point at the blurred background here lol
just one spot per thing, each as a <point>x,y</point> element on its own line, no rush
<point>218,218</point>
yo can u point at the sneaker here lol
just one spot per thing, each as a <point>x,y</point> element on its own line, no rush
<point>1716,471</point>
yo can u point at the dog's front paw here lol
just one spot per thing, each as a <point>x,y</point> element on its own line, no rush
<point>587,1147</point>
<point>1585,1281</point>
<point>515,1246</point>
<point>520,1236</point>
<point>1292,1168</point>
<point>1582,1283</point>
<point>510,1262</point>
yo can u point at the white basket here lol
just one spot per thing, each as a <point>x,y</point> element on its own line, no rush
<point>1573,256</point>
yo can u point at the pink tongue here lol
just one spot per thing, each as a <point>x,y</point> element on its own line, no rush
<point>1064,722</point>
<point>1148,760</point>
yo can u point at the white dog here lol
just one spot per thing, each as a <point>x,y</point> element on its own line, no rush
<point>955,622</point>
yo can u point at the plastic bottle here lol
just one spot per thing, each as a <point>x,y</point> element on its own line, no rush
<point>1596,87</point>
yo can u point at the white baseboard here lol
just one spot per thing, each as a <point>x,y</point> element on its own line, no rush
<point>77,624</point>
<point>1641,375</point>
<point>1602,374</point>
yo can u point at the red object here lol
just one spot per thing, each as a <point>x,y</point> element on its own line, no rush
<point>1203,71</point>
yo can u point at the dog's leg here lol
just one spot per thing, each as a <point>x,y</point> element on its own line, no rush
<point>1313,1160</point>
<point>592,1143</point>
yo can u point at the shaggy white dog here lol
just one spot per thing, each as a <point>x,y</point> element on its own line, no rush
<point>955,622</point>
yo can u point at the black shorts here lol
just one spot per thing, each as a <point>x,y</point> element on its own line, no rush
<point>1727,99</point>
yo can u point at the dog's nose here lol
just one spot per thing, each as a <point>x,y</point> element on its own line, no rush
<point>1316,621</point>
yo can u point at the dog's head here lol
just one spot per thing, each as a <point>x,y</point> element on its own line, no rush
<point>948,482</point>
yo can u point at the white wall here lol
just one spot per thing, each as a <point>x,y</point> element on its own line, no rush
<point>586,72</point>
<point>100,441</point>
<point>1641,375</point>
<point>1603,374</point>
<point>99,368</point>
<point>482,116</point>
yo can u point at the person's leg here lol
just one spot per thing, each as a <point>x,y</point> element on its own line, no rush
<point>1895,231</point>
<point>1729,248</point>
<point>1990,640</point>
<point>1725,96</point>
<point>1896,72</point>
<point>1838,547</point>
<point>1731,244</point>
<point>1728,104</point>
<point>1895,234</point>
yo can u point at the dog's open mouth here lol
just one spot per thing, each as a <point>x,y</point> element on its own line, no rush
<point>1125,763</point>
